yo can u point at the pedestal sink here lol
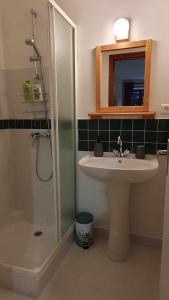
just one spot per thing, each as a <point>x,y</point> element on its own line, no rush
<point>119,173</point>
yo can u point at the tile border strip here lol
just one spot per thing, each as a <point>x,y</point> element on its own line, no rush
<point>151,133</point>
<point>24,124</point>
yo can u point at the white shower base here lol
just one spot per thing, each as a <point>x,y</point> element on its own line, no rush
<point>27,261</point>
<point>18,245</point>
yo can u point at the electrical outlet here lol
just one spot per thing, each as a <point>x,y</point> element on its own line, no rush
<point>165,109</point>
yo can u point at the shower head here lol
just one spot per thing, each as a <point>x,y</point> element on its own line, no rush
<point>30,42</point>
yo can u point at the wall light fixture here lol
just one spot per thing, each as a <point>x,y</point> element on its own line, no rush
<point>121,29</point>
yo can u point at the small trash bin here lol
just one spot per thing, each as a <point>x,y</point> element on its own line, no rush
<point>84,232</point>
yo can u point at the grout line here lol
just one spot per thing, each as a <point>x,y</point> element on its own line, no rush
<point>109,135</point>
<point>129,142</point>
<point>157,135</point>
<point>86,141</point>
<point>120,127</point>
<point>132,138</point>
<point>145,132</point>
<point>88,135</point>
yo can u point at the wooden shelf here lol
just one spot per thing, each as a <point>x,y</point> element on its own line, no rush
<point>143,115</point>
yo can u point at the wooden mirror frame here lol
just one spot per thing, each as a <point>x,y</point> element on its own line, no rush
<point>147,44</point>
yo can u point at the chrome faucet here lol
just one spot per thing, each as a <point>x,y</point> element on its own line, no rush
<point>120,153</point>
<point>120,143</point>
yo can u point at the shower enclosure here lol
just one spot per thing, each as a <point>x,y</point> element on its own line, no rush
<point>63,56</point>
<point>40,219</point>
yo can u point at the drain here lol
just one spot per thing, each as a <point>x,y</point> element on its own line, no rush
<point>38,233</point>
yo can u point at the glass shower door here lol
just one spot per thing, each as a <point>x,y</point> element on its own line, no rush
<point>64,102</point>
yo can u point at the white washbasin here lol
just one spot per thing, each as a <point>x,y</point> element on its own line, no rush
<point>119,169</point>
<point>119,174</point>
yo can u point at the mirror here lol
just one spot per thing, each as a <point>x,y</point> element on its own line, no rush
<point>123,76</point>
<point>123,79</point>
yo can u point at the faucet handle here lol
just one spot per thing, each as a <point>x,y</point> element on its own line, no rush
<point>126,152</point>
<point>115,152</point>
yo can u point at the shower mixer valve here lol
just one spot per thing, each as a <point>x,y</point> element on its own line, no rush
<point>36,134</point>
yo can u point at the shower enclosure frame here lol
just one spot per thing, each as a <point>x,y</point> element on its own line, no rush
<point>53,6</point>
<point>31,281</point>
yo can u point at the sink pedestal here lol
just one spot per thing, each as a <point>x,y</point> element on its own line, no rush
<point>118,198</point>
<point>118,173</point>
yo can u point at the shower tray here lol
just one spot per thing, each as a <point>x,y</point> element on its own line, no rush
<point>28,259</point>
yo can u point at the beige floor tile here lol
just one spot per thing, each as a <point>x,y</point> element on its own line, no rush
<point>88,274</point>
<point>9,295</point>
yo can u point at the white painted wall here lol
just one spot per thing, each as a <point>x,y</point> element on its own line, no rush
<point>17,26</point>
<point>6,196</point>
<point>3,89</point>
<point>95,20</point>
<point>149,19</point>
<point>31,196</point>
<point>2,59</point>
<point>6,200</point>
<point>18,181</point>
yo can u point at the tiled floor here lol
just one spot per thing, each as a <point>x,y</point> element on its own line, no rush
<point>88,274</point>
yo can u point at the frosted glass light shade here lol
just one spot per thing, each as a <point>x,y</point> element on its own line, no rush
<point>121,29</point>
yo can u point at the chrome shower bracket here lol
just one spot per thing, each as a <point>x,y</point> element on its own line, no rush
<point>34,16</point>
<point>34,13</point>
<point>34,58</point>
